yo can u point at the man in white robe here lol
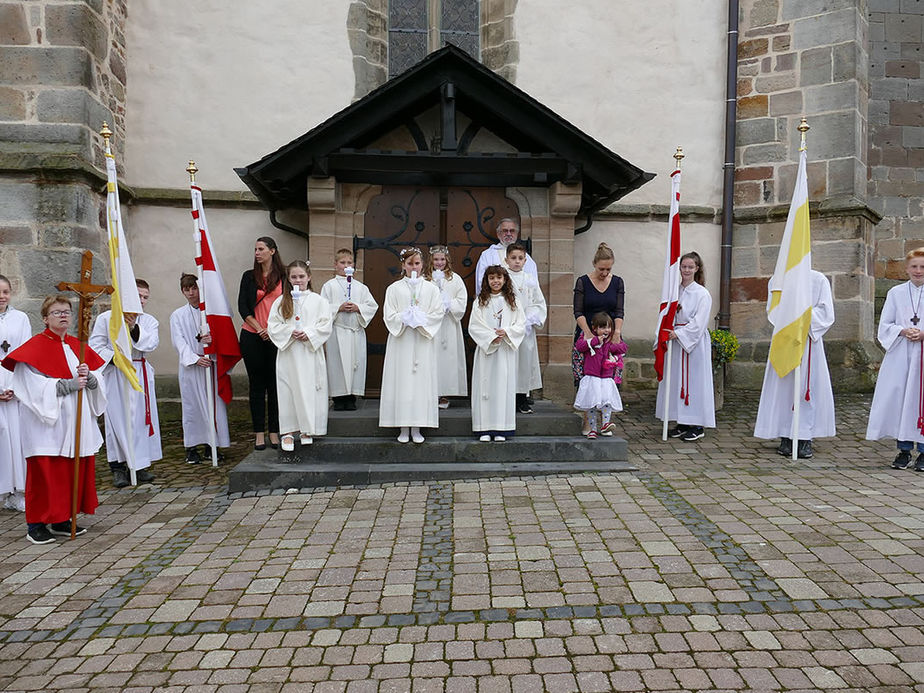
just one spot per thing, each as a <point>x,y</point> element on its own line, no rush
<point>15,330</point>
<point>138,443</point>
<point>508,231</point>
<point>194,371</point>
<point>353,308</point>
<point>816,399</point>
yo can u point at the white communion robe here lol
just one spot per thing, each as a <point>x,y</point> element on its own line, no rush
<point>410,384</point>
<point>450,345</point>
<point>346,348</point>
<point>497,255</point>
<point>47,421</point>
<point>816,416</point>
<point>301,369</point>
<point>494,371</point>
<point>529,374</point>
<point>897,404</point>
<point>691,362</point>
<point>185,326</point>
<point>145,437</point>
<point>14,331</point>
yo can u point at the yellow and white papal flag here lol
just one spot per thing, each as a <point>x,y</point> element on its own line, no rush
<point>125,294</point>
<point>790,306</point>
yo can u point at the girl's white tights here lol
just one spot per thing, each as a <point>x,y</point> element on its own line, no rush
<point>592,420</point>
<point>601,416</point>
<point>410,433</point>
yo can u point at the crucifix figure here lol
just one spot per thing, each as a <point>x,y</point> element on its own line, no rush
<point>87,292</point>
<point>5,346</point>
<point>915,320</point>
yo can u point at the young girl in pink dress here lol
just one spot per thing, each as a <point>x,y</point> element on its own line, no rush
<point>597,394</point>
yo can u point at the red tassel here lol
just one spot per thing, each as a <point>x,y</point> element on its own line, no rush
<point>808,375</point>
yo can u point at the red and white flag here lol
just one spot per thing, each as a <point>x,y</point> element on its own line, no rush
<point>670,285</point>
<point>213,301</point>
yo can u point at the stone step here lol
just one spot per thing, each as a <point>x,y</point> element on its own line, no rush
<point>339,461</point>
<point>547,418</point>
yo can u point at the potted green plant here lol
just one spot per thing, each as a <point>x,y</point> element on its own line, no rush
<point>724,350</point>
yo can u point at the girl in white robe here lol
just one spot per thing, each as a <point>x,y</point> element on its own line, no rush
<point>14,331</point>
<point>691,400</point>
<point>413,313</point>
<point>529,374</point>
<point>299,324</point>
<point>353,308</point>
<point>497,325</point>
<point>816,399</point>
<point>453,374</point>
<point>898,406</point>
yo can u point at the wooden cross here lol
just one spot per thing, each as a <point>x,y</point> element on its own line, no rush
<point>88,292</point>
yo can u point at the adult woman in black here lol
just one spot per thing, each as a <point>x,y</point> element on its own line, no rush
<point>600,291</point>
<point>259,288</point>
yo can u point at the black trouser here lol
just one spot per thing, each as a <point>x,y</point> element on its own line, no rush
<point>260,361</point>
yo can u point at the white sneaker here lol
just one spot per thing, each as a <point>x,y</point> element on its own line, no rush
<point>485,438</point>
<point>404,437</point>
<point>305,439</point>
<point>499,439</point>
<point>416,436</point>
<point>287,446</point>
<point>16,501</point>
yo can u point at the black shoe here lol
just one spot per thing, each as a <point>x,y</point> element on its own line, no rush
<point>693,433</point>
<point>529,400</point>
<point>273,445</point>
<point>40,535</point>
<point>192,454</point>
<point>120,478</point>
<point>785,448</point>
<point>64,529</point>
<point>919,463</point>
<point>144,476</point>
<point>339,404</point>
<point>804,450</point>
<point>350,404</point>
<point>206,454</point>
<point>523,405</point>
<point>677,431</point>
<point>902,460</point>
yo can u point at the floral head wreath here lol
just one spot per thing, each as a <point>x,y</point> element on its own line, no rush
<point>409,251</point>
<point>439,249</point>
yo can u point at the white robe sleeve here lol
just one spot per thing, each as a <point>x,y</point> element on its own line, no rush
<point>393,308</point>
<point>37,392</point>
<point>365,302</point>
<point>317,318</point>
<point>697,316</point>
<point>187,350</point>
<point>278,328</point>
<point>822,307</point>
<point>99,337</point>
<point>480,329</point>
<point>458,296</point>
<point>516,327</point>
<point>537,311</point>
<point>890,330</point>
<point>149,337</point>
<point>430,302</point>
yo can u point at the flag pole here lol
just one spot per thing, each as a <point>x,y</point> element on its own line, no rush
<point>124,400</point>
<point>797,381</point>
<point>192,169</point>
<point>678,157</point>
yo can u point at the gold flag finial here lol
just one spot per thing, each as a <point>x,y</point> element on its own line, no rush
<point>105,132</point>
<point>192,170</point>
<point>678,155</point>
<point>803,128</point>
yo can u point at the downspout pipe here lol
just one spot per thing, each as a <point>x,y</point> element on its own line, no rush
<point>728,187</point>
<point>285,227</point>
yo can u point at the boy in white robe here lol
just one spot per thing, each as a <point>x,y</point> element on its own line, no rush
<point>898,407</point>
<point>142,435</point>
<point>413,313</point>
<point>299,324</point>
<point>353,307</point>
<point>691,399</point>
<point>529,375</point>
<point>816,399</point>
<point>497,325</point>
<point>15,330</point>
<point>194,371</point>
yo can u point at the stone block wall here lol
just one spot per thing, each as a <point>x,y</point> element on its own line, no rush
<point>896,133</point>
<point>804,58</point>
<point>62,73</point>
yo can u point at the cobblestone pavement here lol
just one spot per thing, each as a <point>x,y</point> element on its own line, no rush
<point>716,566</point>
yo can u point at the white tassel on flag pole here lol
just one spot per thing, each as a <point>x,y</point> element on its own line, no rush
<point>210,386</point>
<point>667,388</point>
<point>796,390</point>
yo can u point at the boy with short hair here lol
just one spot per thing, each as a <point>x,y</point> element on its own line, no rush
<point>141,434</point>
<point>529,375</point>
<point>353,307</point>
<point>195,368</point>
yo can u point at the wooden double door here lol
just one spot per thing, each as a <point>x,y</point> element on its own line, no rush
<point>463,219</point>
